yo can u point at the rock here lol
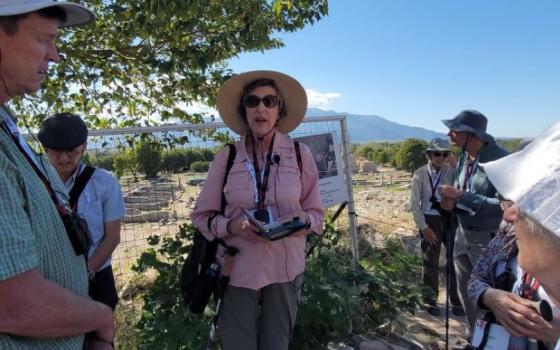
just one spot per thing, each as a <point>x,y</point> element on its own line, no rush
<point>374,345</point>
<point>338,346</point>
<point>147,217</point>
<point>399,232</point>
<point>136,285</point>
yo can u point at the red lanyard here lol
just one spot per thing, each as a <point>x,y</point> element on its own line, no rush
<point>529,287</point>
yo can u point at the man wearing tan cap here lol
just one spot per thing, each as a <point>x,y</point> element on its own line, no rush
<point>44,301</point>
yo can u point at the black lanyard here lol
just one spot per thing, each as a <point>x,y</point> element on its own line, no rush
<point>432,186</point>
<point>262,184</point>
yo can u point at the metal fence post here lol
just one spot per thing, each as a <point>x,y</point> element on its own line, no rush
<point>348,174</point>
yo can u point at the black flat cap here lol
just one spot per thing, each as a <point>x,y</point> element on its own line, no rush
<point>63,131</point>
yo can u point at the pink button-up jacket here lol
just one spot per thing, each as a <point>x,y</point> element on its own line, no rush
<point>261,263</point>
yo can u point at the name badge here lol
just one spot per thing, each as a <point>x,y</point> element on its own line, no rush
<point>490,336</point>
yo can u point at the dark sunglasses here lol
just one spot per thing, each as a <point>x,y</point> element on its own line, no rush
<point>269,101</point>
<point>439,154</point>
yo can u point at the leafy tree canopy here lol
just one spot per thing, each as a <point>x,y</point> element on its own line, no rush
<point>410,154</point>
<point>144,59</point>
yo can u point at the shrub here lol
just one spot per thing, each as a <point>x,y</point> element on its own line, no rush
<point>200,167</point>
<point>177,160</point>
<point>101,160</point>
<point>382,157</point>
<point>193,155</point>
<point>328,311</point>
<point>410,155</point>
<point>208,154</point>
<point>125,162</point>
<point>148,155</point>
<point>174,160</point>
<point>165,322</point>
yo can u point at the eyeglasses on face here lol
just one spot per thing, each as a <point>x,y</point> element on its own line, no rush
<point>269,101</point>
<point>70,153</point>
<point>440,154</point>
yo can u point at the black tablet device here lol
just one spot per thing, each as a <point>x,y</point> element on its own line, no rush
<point>275,230</point>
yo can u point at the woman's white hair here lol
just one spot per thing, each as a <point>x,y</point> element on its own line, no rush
<point>537,231</point>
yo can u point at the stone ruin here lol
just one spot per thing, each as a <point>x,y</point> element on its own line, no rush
<point>148,200</point>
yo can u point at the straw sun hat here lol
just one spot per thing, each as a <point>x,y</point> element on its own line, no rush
<point>294,97</point>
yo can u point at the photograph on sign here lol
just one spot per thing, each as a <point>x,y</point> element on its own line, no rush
<point>327,156</point>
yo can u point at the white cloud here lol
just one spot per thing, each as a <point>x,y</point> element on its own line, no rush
<point>321,100</point>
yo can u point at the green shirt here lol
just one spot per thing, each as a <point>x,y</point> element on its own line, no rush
<point>32,235</point>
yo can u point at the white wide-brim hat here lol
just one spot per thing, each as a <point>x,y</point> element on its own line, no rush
<point>75,14</point>
<point>531,178</point>
<point>294,97</point>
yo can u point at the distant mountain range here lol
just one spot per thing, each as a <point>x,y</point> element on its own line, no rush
<point>366,128</point>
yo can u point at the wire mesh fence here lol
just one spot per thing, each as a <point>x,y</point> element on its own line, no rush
<point>159,204</point>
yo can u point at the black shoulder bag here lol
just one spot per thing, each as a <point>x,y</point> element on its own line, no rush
<point>79,186</point>
<point>199,275</point>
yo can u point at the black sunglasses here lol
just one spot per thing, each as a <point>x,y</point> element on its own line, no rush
<point>439,154</point>
<point>269,101</point>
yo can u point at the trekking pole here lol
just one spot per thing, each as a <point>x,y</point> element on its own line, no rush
<point>333,219</point>
<point>448,262</point>
<point>222,285</point>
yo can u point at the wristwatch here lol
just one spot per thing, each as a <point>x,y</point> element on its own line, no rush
<point>90,275</point>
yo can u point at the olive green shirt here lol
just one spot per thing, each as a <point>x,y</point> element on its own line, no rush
<point>32,235</point>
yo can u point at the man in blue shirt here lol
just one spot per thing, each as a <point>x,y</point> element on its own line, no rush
<point>100,202</point>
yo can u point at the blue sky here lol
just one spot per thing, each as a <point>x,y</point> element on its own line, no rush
<point>416,62</point>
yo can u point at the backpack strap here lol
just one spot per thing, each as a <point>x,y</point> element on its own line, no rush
<point>79,185</point>
<point>231,157</point>
<point>298,156</point>
<point>229,164</point>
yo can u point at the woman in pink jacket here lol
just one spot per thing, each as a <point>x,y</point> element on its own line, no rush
<point>260,303</point>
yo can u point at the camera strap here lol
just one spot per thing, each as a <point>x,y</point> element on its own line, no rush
<point>63,208</point>
<point>79,185</point>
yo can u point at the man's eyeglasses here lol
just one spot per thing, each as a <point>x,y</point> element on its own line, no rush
<point>440,154</point>
<point>70,153</point>
<point>269,101</point>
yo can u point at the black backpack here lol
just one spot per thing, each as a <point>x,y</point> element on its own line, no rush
<point>199,277</point>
